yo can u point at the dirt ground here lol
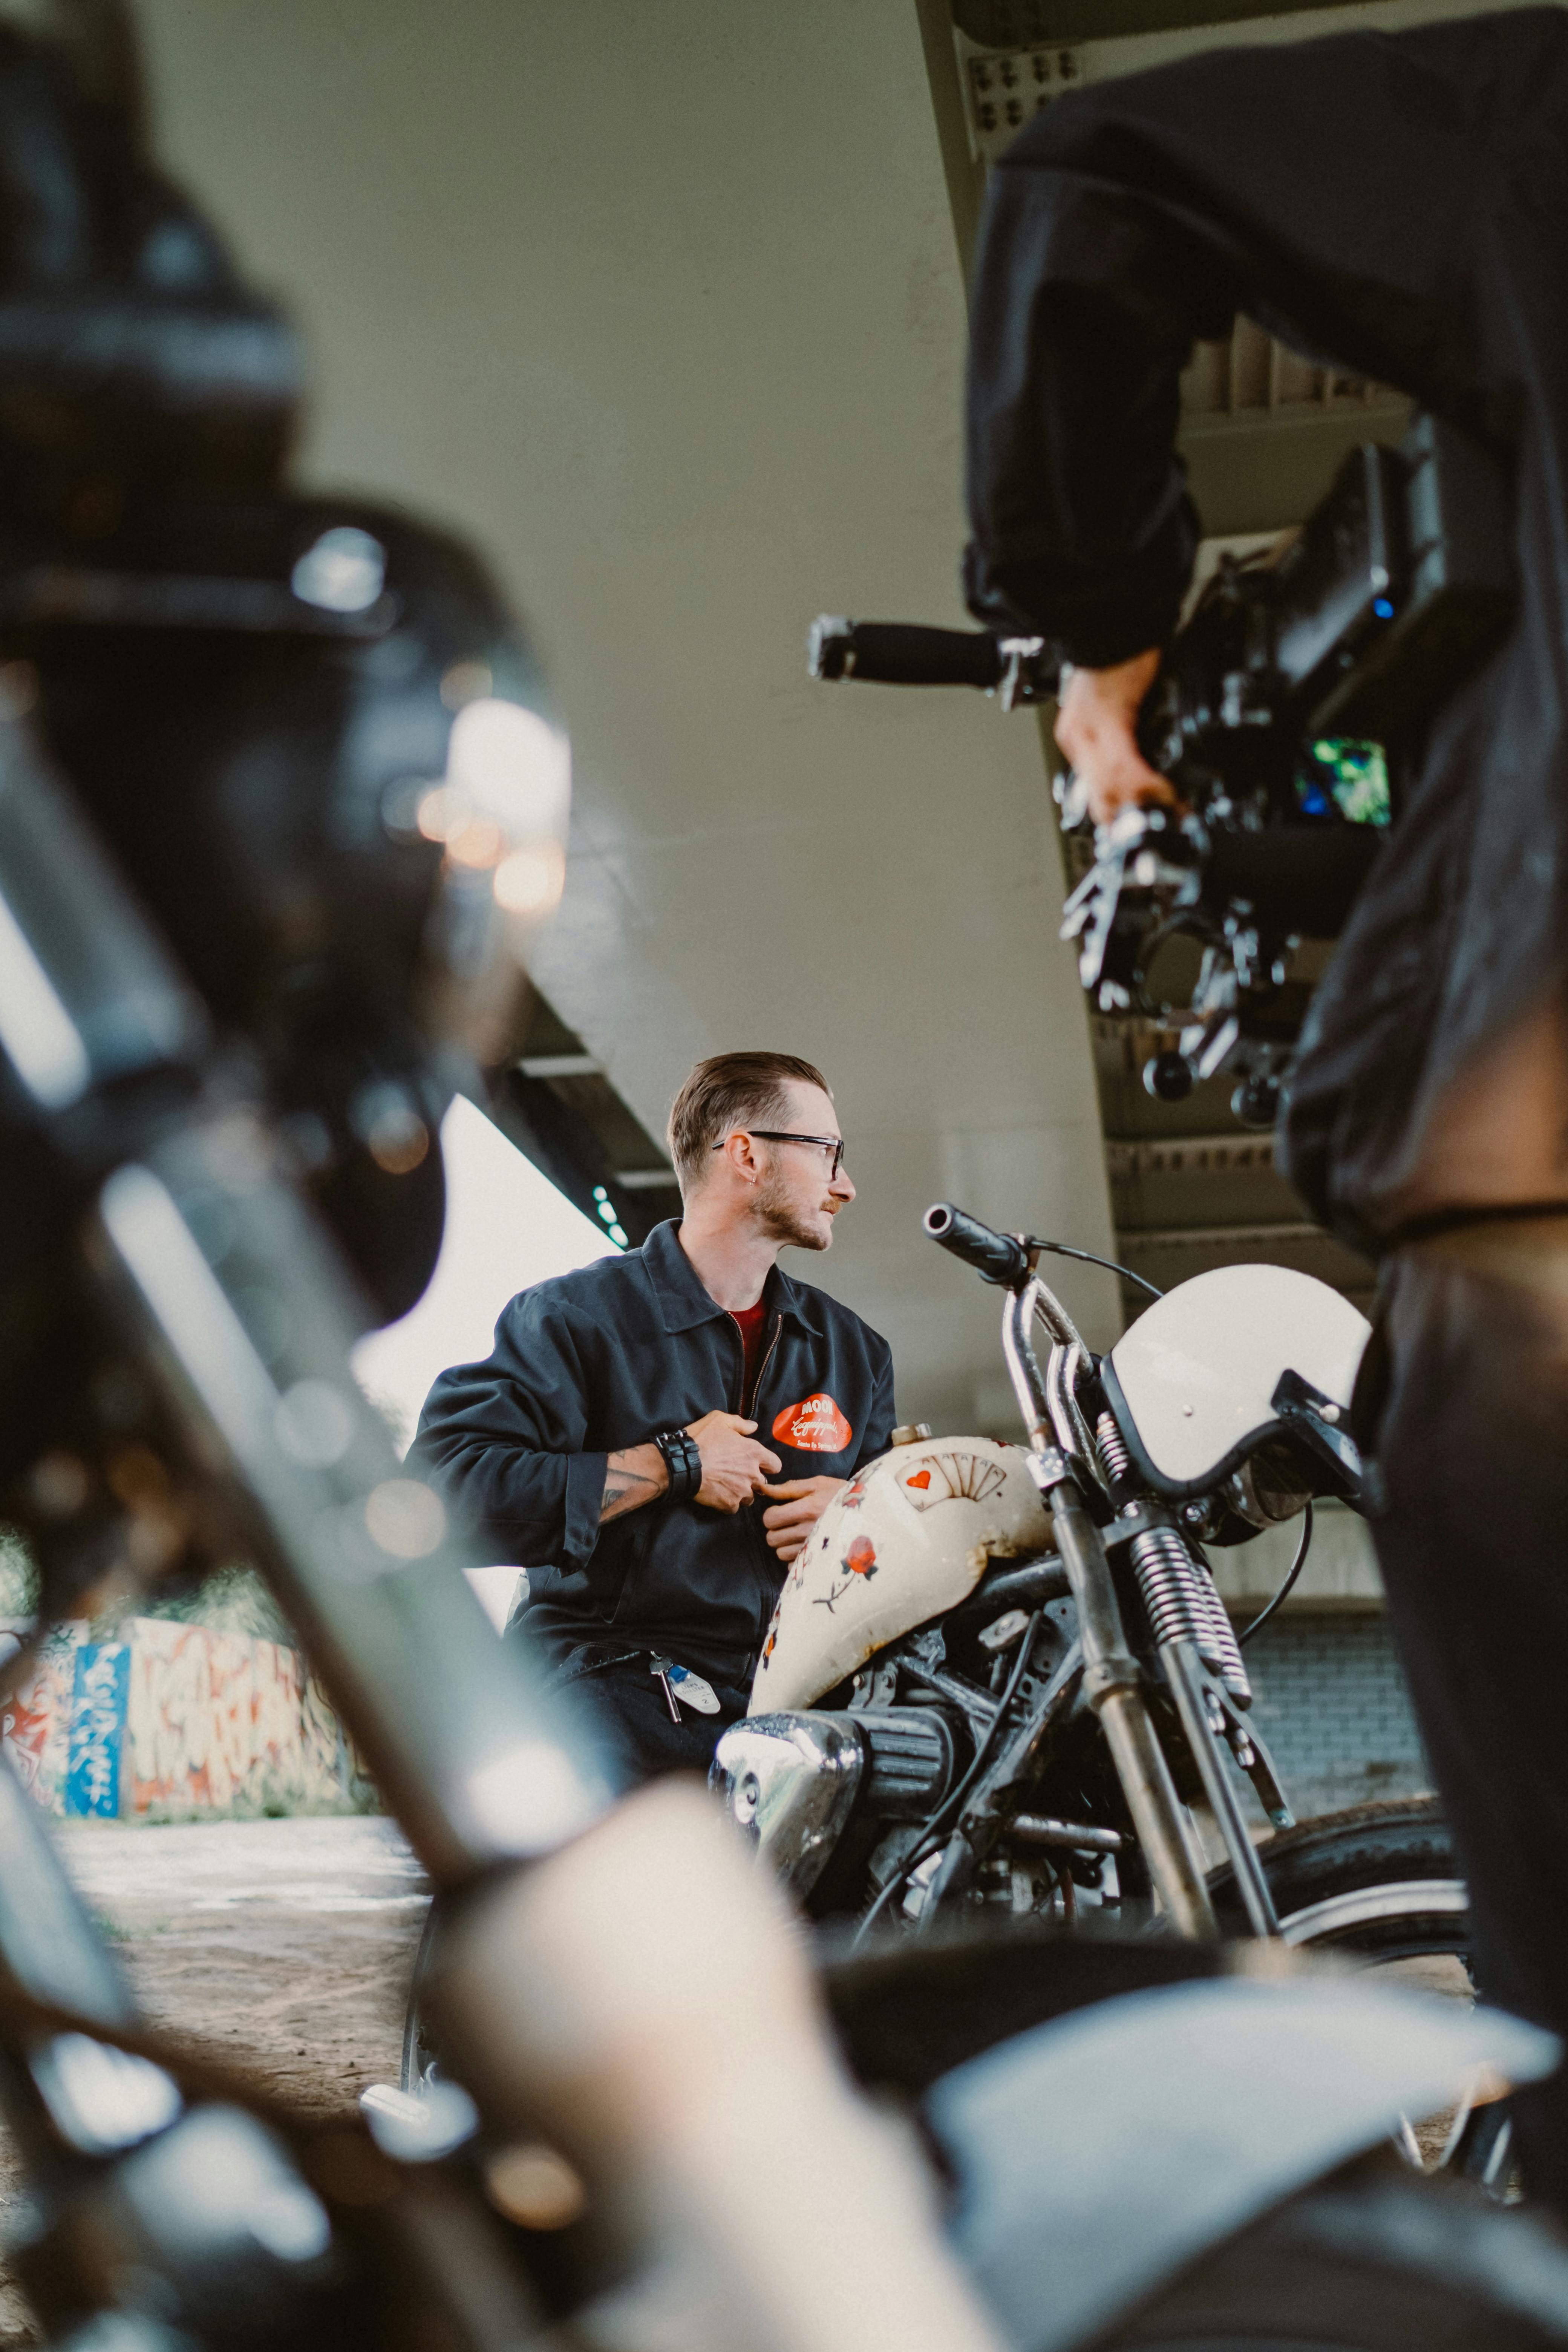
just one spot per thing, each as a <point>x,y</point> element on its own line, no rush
<point>281,1948</point>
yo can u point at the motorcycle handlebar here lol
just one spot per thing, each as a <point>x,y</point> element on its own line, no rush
<point>901,653</point>
<point>1000,1258</point>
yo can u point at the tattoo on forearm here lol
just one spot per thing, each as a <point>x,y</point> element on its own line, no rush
<point>627,1483</point>
<point>624,1492</point>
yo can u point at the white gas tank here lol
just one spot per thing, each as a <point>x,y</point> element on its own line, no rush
<point>908,1539</point>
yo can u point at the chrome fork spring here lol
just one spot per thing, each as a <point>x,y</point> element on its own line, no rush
<point>1182,1604</point>
<point>1115,1460</point>
<point>1178,1592</point>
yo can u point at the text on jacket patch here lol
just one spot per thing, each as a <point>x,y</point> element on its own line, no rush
<point>816,1425</point>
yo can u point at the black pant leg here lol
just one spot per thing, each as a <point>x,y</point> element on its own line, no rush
<point>1473,1443</point>
<point>630,1708</point>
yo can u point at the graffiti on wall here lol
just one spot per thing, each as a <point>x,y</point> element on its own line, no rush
<point>97,1728</point>
<point>213,1719</point>
<point>173,1718</point>
<point>36,1720</point>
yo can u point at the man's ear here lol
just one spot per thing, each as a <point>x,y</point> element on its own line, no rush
<point>741,1154</point>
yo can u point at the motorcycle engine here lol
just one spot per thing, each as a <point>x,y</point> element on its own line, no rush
<point>797,1784</point>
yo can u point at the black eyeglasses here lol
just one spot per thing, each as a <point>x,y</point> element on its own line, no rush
<point>832,1144</point>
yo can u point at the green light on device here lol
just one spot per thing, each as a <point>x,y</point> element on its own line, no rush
<point>1353,774</point>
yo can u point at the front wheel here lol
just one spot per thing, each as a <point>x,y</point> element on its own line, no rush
<point>1378,1883</point>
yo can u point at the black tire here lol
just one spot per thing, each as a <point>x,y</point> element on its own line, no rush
<point>1378,1883</point>
<point>1366,2264</point>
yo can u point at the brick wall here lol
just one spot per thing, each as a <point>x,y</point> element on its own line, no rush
<point>1329,1700</point>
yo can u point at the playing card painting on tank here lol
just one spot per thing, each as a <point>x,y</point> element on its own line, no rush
<point>909,1537</point>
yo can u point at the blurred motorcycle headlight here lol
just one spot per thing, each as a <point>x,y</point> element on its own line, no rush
<point>530,881</point>
<point>500,814</point>
<point>503,805</point>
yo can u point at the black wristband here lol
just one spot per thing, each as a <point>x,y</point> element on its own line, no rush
<point>682,1461</point>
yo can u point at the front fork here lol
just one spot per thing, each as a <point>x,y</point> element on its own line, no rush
<point>1113,1680</point>
<point>1114,1688</point>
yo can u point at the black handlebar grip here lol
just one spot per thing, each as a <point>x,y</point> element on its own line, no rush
<point>998,1256</point>
<point>900,653</point>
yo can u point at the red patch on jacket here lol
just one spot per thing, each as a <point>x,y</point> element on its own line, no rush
<point>816,1425</point>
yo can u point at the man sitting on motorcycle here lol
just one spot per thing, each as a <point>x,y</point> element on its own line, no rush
<point>617,1441</point>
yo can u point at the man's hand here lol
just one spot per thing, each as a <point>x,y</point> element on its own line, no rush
<point>1096,726</point>
<point>734,1464</point>
<point>800,1504</point>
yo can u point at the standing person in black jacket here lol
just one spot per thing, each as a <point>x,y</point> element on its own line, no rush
<point>617,1440</point>
<point>1396,206</point>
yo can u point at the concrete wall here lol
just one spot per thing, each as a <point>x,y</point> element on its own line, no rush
<point>660,301</point>
<point>1341,1572</point>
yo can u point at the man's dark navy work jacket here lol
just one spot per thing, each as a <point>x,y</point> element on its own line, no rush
<point>1397,206</point>
<point>593,1362</point>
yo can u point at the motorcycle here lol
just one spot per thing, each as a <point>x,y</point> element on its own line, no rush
<point>1000,1683</point>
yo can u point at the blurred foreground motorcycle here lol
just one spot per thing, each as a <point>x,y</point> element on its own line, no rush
<point>275,778</point>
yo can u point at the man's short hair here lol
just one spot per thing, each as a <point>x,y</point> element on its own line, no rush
<point>728,1091</point>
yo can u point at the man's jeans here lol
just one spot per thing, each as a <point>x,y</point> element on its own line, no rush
<point>627,1704</point>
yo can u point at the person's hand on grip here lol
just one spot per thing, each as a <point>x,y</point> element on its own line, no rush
<point>734,1464</point>
<point>1097,728</point>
